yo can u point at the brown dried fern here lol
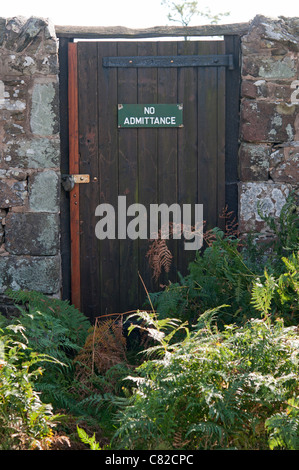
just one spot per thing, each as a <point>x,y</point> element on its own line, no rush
<point>178,441</point>
<point>230,227</point>
<point>105,347</point>
<point>159,255</point>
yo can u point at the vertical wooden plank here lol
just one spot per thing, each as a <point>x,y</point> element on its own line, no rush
<point>73,169</point>
<point>221,121</point>
<point>188,141</point>
<point>88,147</point>
<point>128,182</point>
<point>147,158</point>
<point>208,136</point>
<point>108,176</point>
<point>167,149</point>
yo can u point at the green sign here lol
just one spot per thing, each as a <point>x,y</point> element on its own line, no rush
<point>150,115</point>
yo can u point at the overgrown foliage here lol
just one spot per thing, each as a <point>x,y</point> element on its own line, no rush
<point>229,267</point>
<point>233,385</point>
<point>82,376</point>
<point>278,295</point>
<point>55,328</point>
<point>213,390</point>
<point>25,421</point>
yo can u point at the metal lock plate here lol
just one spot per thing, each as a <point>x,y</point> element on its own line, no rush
<point>81,178</point>
<point>68,181</point>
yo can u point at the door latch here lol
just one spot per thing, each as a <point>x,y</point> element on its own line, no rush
<point>68,181</point>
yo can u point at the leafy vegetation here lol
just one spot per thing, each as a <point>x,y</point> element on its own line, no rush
<point>219,368</point>
<point>82,375</point>
<point>229,268</point>
<point>25,421</point>
<point>211,390</point>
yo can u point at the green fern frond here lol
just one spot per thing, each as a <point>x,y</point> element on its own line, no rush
<point>262,293</point>
<point>86,439</point>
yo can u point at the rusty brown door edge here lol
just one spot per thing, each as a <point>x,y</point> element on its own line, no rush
<point>74,169</point>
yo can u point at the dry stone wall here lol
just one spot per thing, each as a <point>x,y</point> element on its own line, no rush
<point>269,123</point>
<point>29,156</point>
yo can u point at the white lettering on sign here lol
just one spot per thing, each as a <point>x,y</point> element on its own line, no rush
<point>149,110</point>
<point>147,120</point>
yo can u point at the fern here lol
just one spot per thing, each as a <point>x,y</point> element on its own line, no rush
<point>160,257</point>
<point>231,271</point>
<point>72,320</point>
<point>283,427</point>
<point>206,431</point>
<point>217,276</point>
<point>90,441</point>
<point>105,346</point>
<point>211,389</point>
<point>262,294</point>
<point>279,296</point>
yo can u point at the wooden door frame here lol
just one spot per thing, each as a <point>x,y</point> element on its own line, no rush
<point>74,168</point>
<point>70,232</point>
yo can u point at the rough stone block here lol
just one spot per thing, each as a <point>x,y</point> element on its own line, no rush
<point>269,196</point>
<point>12,193</point>
<point>284,165</point>
<point>266,34</point>
<point>32,234</point>
<point>13,125</point>
<point>263,89</point>
<point>274,67</point>
<point>263,121</point>
<point>44,191</point>
<point>13,95</point>
<point>254,162</point>
<point>44,109</point>
<point>22,33</point>
<point>44,62</point>
<point>32,273</point>
<point>34,153</point>
<point>17,174</point>
<point>250,89</point>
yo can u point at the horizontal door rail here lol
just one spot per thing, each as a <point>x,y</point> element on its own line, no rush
<point>171,61</point>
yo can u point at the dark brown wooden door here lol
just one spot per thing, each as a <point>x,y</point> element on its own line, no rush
<point>148,165</point>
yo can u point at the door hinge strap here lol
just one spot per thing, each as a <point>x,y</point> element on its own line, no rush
<point>224,60</point>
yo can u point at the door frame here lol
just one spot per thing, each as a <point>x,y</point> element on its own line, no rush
<point>70,233</point>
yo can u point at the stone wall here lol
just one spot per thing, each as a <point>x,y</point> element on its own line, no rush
<point>269,124</point>
<point>29,156</point>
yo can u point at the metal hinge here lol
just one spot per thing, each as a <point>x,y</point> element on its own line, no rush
<point>68,181</point>
<point>219,60</point>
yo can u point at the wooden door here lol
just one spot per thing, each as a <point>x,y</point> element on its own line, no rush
<point>184,165</point>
